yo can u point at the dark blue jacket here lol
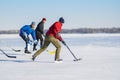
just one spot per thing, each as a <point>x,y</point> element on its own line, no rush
<point>28,30</point>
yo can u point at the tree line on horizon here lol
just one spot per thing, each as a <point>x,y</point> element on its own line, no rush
<point>79,30</point>
<point>92,30</point>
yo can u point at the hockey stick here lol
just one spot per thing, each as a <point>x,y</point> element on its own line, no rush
<point>75,58</point>
<point>15,50</point>
<point>10,47</point>
<point>7,54</point>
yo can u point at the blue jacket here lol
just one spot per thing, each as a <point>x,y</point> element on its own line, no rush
<point>28,30</point>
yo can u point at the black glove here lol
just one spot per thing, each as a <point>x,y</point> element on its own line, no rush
<point>63,42</point>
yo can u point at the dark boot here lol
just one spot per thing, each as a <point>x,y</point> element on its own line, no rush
<point>34,47</point>
<point>27,52</point>
<point>33,58</point>
<point>58,61</point>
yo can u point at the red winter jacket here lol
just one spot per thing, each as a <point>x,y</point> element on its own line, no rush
<point>54,30</point>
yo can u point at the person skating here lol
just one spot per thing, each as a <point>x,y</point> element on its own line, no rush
<point>25,31</point>
<point>53,36</point>
<point>40,33</point>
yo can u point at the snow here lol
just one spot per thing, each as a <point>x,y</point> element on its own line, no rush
<point>99,62</point>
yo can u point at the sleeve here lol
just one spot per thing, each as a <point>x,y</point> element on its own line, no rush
<point>58,31</point>
<point>33,35</point>
<point>23,30</point>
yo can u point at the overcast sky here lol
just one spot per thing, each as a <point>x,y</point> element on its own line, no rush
<point>77,13</point>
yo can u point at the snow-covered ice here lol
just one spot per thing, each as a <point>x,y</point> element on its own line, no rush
<point>100,55</point>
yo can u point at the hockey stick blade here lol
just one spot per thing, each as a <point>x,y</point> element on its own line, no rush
<point>11,56</point>
<point>7,54</point>
<point>77,59</point>
<point>16,50</point>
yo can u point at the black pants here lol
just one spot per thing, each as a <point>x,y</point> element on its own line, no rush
<point>39,37</point>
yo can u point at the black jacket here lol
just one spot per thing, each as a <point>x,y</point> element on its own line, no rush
<point>40,27</point>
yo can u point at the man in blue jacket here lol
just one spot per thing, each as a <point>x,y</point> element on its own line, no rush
<point>25,31</point>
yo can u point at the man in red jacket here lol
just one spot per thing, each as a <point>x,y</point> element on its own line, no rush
<point>53,36</point>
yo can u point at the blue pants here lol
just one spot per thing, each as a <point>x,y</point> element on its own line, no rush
<point>26,39</point>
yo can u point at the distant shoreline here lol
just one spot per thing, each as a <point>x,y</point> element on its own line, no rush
<point>79,30</point>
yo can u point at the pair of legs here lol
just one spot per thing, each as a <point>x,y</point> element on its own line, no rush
<point>48,40</point>
<point>27,40</point>
<point>39,37</point>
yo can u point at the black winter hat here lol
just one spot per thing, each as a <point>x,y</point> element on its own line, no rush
<point>61,20</point>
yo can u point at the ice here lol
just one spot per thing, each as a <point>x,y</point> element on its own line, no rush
<point>100,59</point>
